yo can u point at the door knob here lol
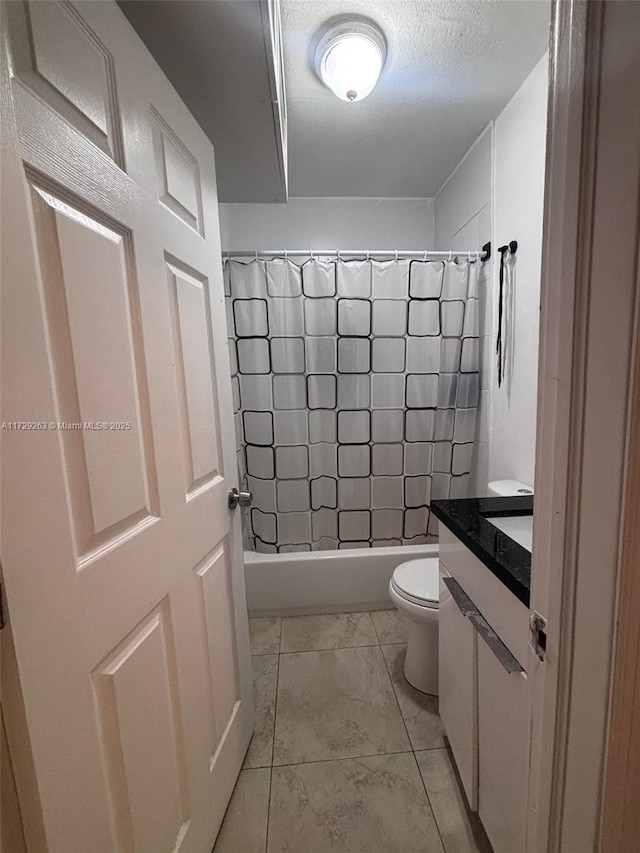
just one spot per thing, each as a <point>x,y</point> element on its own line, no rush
<point>237,498</point>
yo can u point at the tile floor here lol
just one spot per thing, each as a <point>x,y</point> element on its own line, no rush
<point>347,757</point>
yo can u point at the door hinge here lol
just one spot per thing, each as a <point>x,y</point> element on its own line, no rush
<point>537,628</point>
<point>1,606</point>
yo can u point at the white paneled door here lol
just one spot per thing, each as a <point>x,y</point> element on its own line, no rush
<point>122,562</point>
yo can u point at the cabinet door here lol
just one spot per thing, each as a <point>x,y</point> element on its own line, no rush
<point>503,751</point>
<point>458,689</point>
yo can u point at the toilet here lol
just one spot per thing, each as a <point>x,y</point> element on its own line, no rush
<point>414,589</point>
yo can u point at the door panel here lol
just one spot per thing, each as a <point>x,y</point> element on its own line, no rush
<point>123,565</point>
<point>194,360</point>
<point>137,702</point>
<point>216,595</point>
<point>63,61</point>
<point>178,175</point>
<point>96,343</point>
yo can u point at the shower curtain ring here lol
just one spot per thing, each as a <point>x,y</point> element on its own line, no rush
<point>396,254</point>
<point>255,252</point>
<point>367,254</point>
<point>425,256</point>
<point>338,254</point>
<point>450,255</point>
<point>286,255</point>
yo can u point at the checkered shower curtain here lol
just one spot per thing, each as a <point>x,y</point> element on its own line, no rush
<point>356,388</point>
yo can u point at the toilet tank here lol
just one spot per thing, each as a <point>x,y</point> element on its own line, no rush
<point>508,488</point>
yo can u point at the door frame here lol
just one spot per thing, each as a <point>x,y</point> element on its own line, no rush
<point>561,515</point>
<point>620,828</point>
<point>585,366</point>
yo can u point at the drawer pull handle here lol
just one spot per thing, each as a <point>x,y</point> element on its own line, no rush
<point>469,609</point>
<point>494,642</point>
<point>465,605</point>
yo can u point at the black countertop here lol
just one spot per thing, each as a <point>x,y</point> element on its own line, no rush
<point>467,519</point>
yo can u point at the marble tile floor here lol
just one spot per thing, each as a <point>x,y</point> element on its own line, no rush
<point>346,757</point>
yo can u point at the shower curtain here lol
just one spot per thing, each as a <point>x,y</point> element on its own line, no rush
<point>356,387</point>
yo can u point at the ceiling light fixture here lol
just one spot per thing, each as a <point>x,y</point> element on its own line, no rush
<point>349,57</point>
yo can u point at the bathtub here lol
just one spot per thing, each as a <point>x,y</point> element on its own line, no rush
<point>325,581</point>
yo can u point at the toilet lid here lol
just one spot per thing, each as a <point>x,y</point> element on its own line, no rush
<point>418,579</point>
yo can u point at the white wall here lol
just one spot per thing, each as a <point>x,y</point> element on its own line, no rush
<point>329,223</point>
<point>497,193</point>
<point>463,220</point>
<point>464,200</point>
<point>519,167</point>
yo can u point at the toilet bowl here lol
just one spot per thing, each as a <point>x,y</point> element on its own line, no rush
<point>414,591</point>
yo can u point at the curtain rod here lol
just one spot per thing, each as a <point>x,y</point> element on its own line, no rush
<point>482,254</point>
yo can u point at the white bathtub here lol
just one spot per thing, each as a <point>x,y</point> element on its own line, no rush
<point>324,581</point>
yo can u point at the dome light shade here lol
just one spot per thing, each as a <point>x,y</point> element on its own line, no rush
<point>349,58</point>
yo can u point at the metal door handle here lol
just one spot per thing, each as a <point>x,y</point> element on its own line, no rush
<point>468,609</point>
<point>237,498</point>
<point>502,653</point>
<point>465,605</point>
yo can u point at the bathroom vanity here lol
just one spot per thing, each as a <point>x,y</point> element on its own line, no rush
<point>485,568</point>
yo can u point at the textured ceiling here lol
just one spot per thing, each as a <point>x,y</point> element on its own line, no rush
<point>452,65</point>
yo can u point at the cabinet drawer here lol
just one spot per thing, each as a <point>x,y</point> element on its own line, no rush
<point>503,752</point>
<point>458,689</point>
<point>508,616</point>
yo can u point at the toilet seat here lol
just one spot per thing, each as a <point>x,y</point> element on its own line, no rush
<point>417,581</point>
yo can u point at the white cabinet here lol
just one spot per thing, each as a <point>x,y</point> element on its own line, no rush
<point>458,690</point>
<point>484,691</point>
<point>503,752</point>
<point>506,614</point>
